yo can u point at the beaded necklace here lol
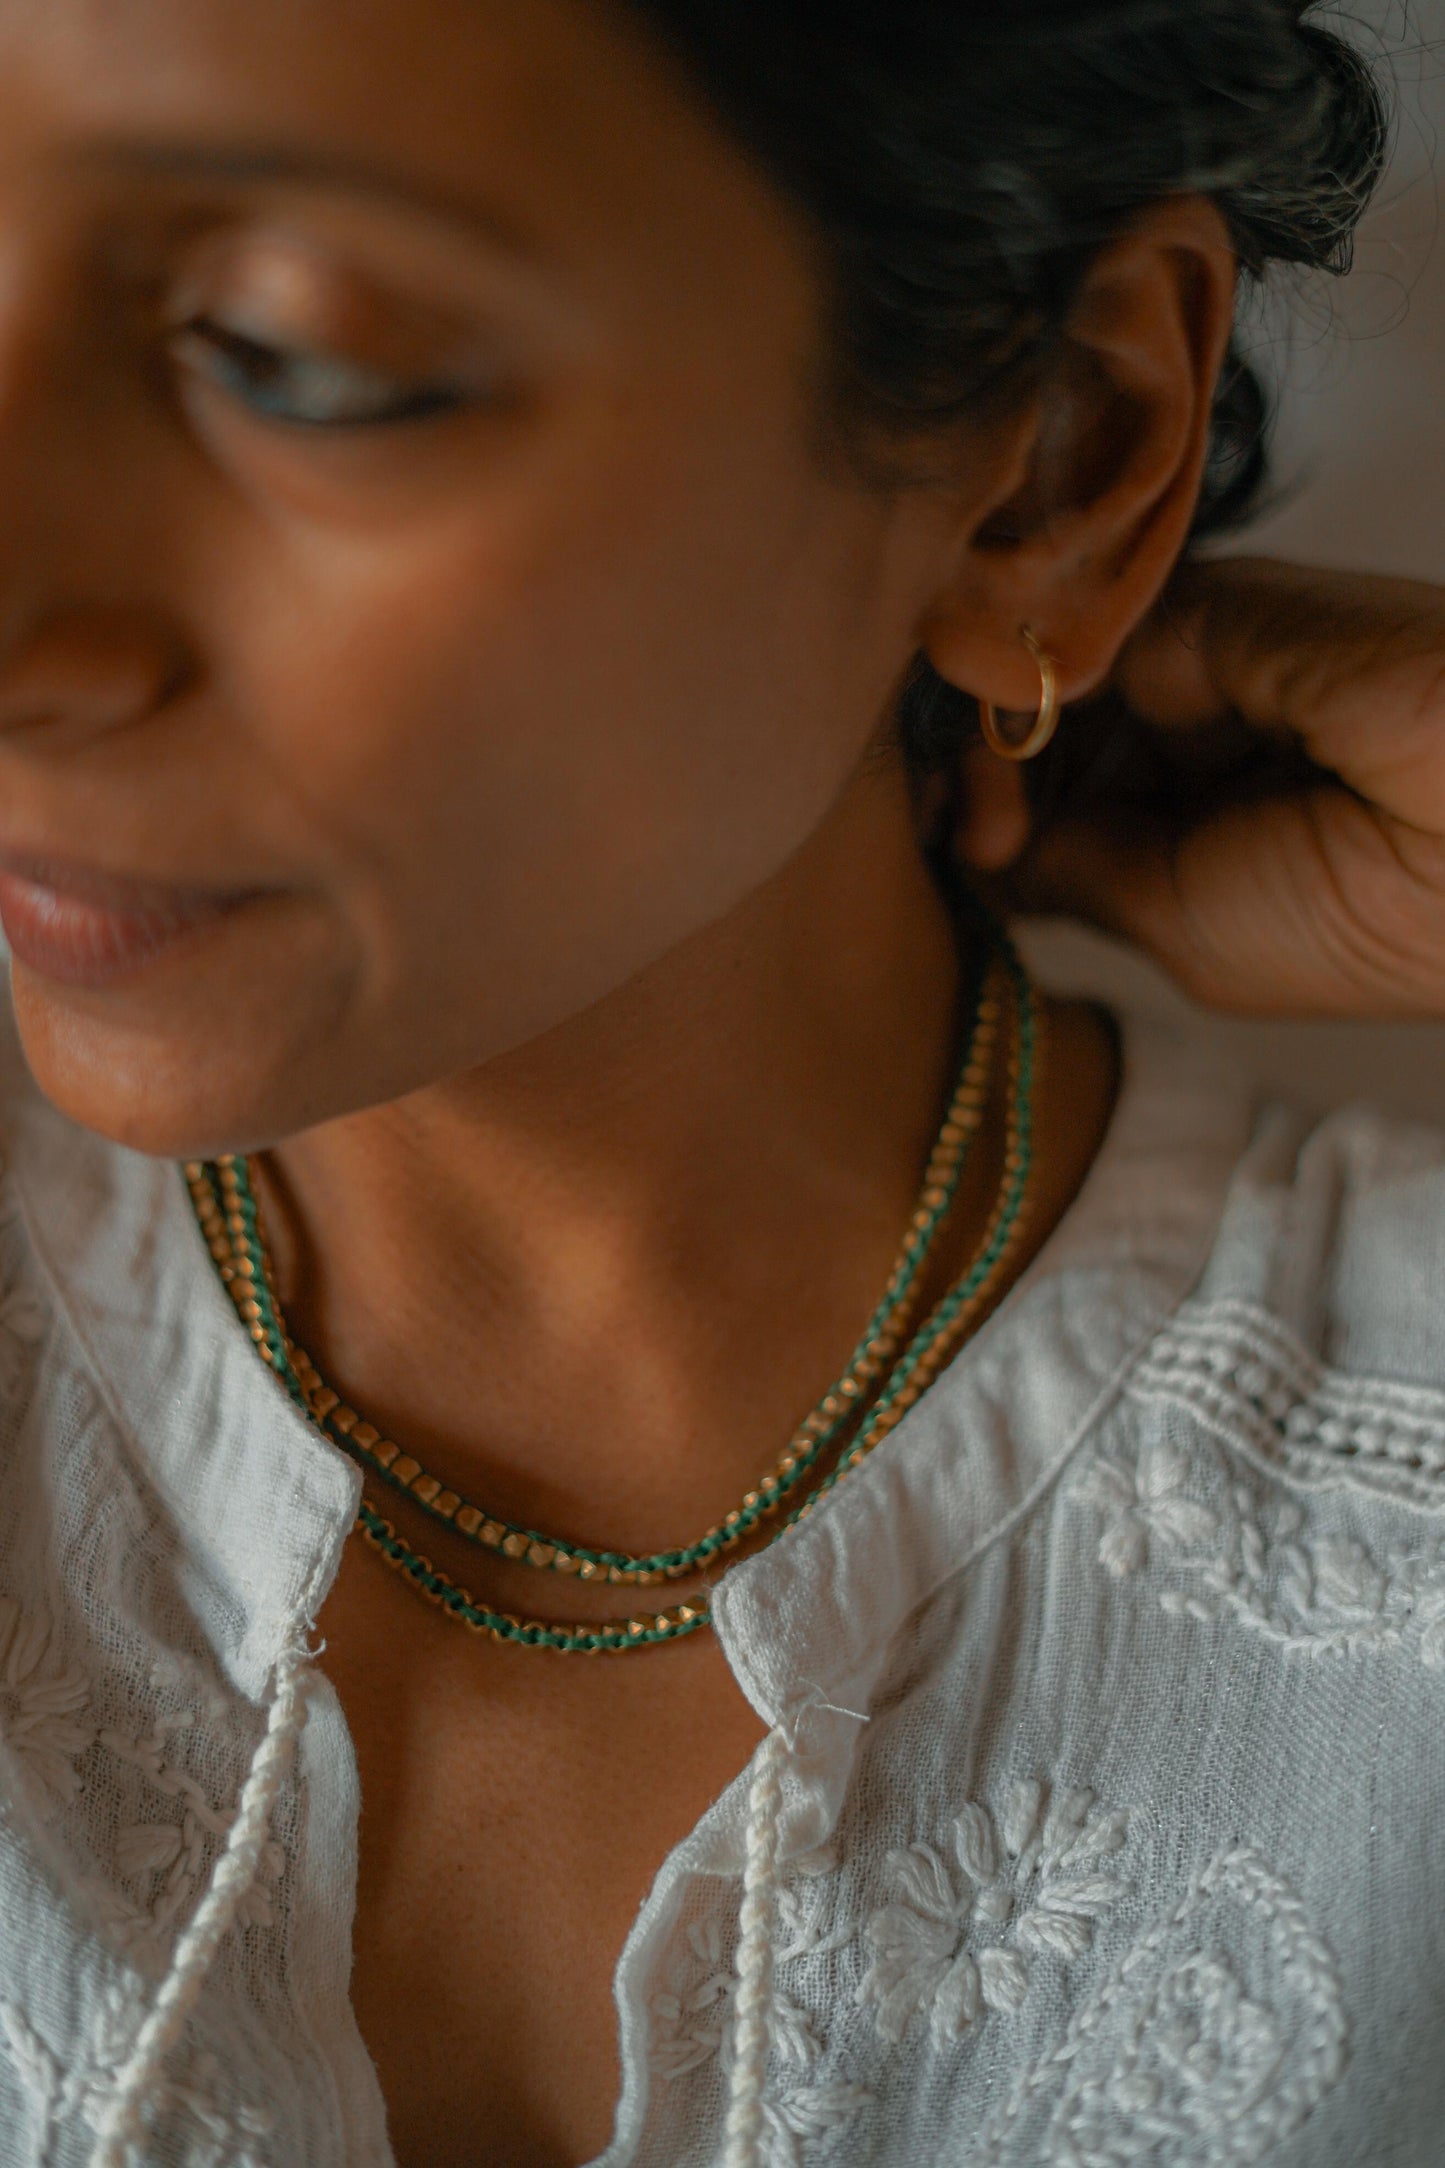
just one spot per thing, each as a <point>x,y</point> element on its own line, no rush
<point>224,1200</point>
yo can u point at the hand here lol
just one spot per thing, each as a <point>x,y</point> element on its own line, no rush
<point>1258,800</point>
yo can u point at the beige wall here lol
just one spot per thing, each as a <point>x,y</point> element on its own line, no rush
<point>1361,460</point>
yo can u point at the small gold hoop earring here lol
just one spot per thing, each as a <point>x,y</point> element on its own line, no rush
<point>1045,723</point>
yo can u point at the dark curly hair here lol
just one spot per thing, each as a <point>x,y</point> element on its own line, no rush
<point>962,161</point>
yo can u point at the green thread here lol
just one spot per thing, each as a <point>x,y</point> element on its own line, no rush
<point>739,1523</point>
<point>567,1640</point>
<point>439,1588</point>
<point>984,1263</point>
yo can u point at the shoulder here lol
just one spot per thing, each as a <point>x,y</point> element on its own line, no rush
<point>1277,1453</point>
<point>1336,1225</point>
<point>1277,1449</point>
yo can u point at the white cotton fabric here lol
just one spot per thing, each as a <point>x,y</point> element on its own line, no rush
<point>1107,1700</point>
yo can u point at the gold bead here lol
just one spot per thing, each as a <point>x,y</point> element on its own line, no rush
<point>239,1250</point>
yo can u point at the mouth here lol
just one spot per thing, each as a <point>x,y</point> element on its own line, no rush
<point>80,926</point>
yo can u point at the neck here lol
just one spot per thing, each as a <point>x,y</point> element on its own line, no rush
<point>596,1283</point>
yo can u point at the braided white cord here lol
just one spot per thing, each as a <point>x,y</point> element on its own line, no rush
<point>124,2126</point>
<point>753,2004</point>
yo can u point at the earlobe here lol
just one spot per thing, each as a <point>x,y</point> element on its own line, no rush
<point>1081,546</point>
<point>994,821</point>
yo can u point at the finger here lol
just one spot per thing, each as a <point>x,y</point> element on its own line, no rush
<point>1353,667</point>
<point>1307,906</point>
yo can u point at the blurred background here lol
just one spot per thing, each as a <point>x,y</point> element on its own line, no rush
<point>1359,366</point>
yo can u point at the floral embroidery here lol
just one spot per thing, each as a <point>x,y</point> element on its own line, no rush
<point>44,1702</point>
<point>177,1852</point>
<point>808,2112</point>
<point>1148,1500</point>
<point>82,2087</point>
<point>1252,1557</point>
<point>692,2019</point>
<point>47,1720</point>
<point>1031,1879</point>
<point>1187,2052</point>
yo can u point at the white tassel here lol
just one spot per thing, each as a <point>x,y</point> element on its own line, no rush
<point>753,2003</point>
<point>123,2129</point>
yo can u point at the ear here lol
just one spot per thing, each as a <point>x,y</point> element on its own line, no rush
<point>1094,488</point>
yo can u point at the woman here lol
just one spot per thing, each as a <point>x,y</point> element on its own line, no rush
<point>509,512</point>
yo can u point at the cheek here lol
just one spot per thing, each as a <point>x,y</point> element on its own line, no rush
<point>577,738</point>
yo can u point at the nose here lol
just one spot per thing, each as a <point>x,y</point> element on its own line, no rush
<point>79,672</point>
<point>83,651</point>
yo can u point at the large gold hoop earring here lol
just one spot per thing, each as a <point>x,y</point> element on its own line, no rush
<point>1044,724</point>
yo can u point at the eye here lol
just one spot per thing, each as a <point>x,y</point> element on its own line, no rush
<point>308,390</point>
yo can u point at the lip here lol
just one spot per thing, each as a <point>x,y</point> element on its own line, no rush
<point>81,926</point>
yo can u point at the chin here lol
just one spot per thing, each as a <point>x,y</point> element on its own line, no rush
<point>174,1087</point>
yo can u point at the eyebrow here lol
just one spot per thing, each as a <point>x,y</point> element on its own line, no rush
<point>269,163</point>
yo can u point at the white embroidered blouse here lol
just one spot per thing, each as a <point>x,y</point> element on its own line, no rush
<point>1108,1703</point>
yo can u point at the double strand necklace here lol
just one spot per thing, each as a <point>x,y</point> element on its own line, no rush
<point>223,1196</point>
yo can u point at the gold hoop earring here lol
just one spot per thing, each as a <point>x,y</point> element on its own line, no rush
<point>1044,724</point>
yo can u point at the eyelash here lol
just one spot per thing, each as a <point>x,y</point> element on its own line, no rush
<point>249,370</point>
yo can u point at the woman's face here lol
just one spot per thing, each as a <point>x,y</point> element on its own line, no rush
<point>413,557</point>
